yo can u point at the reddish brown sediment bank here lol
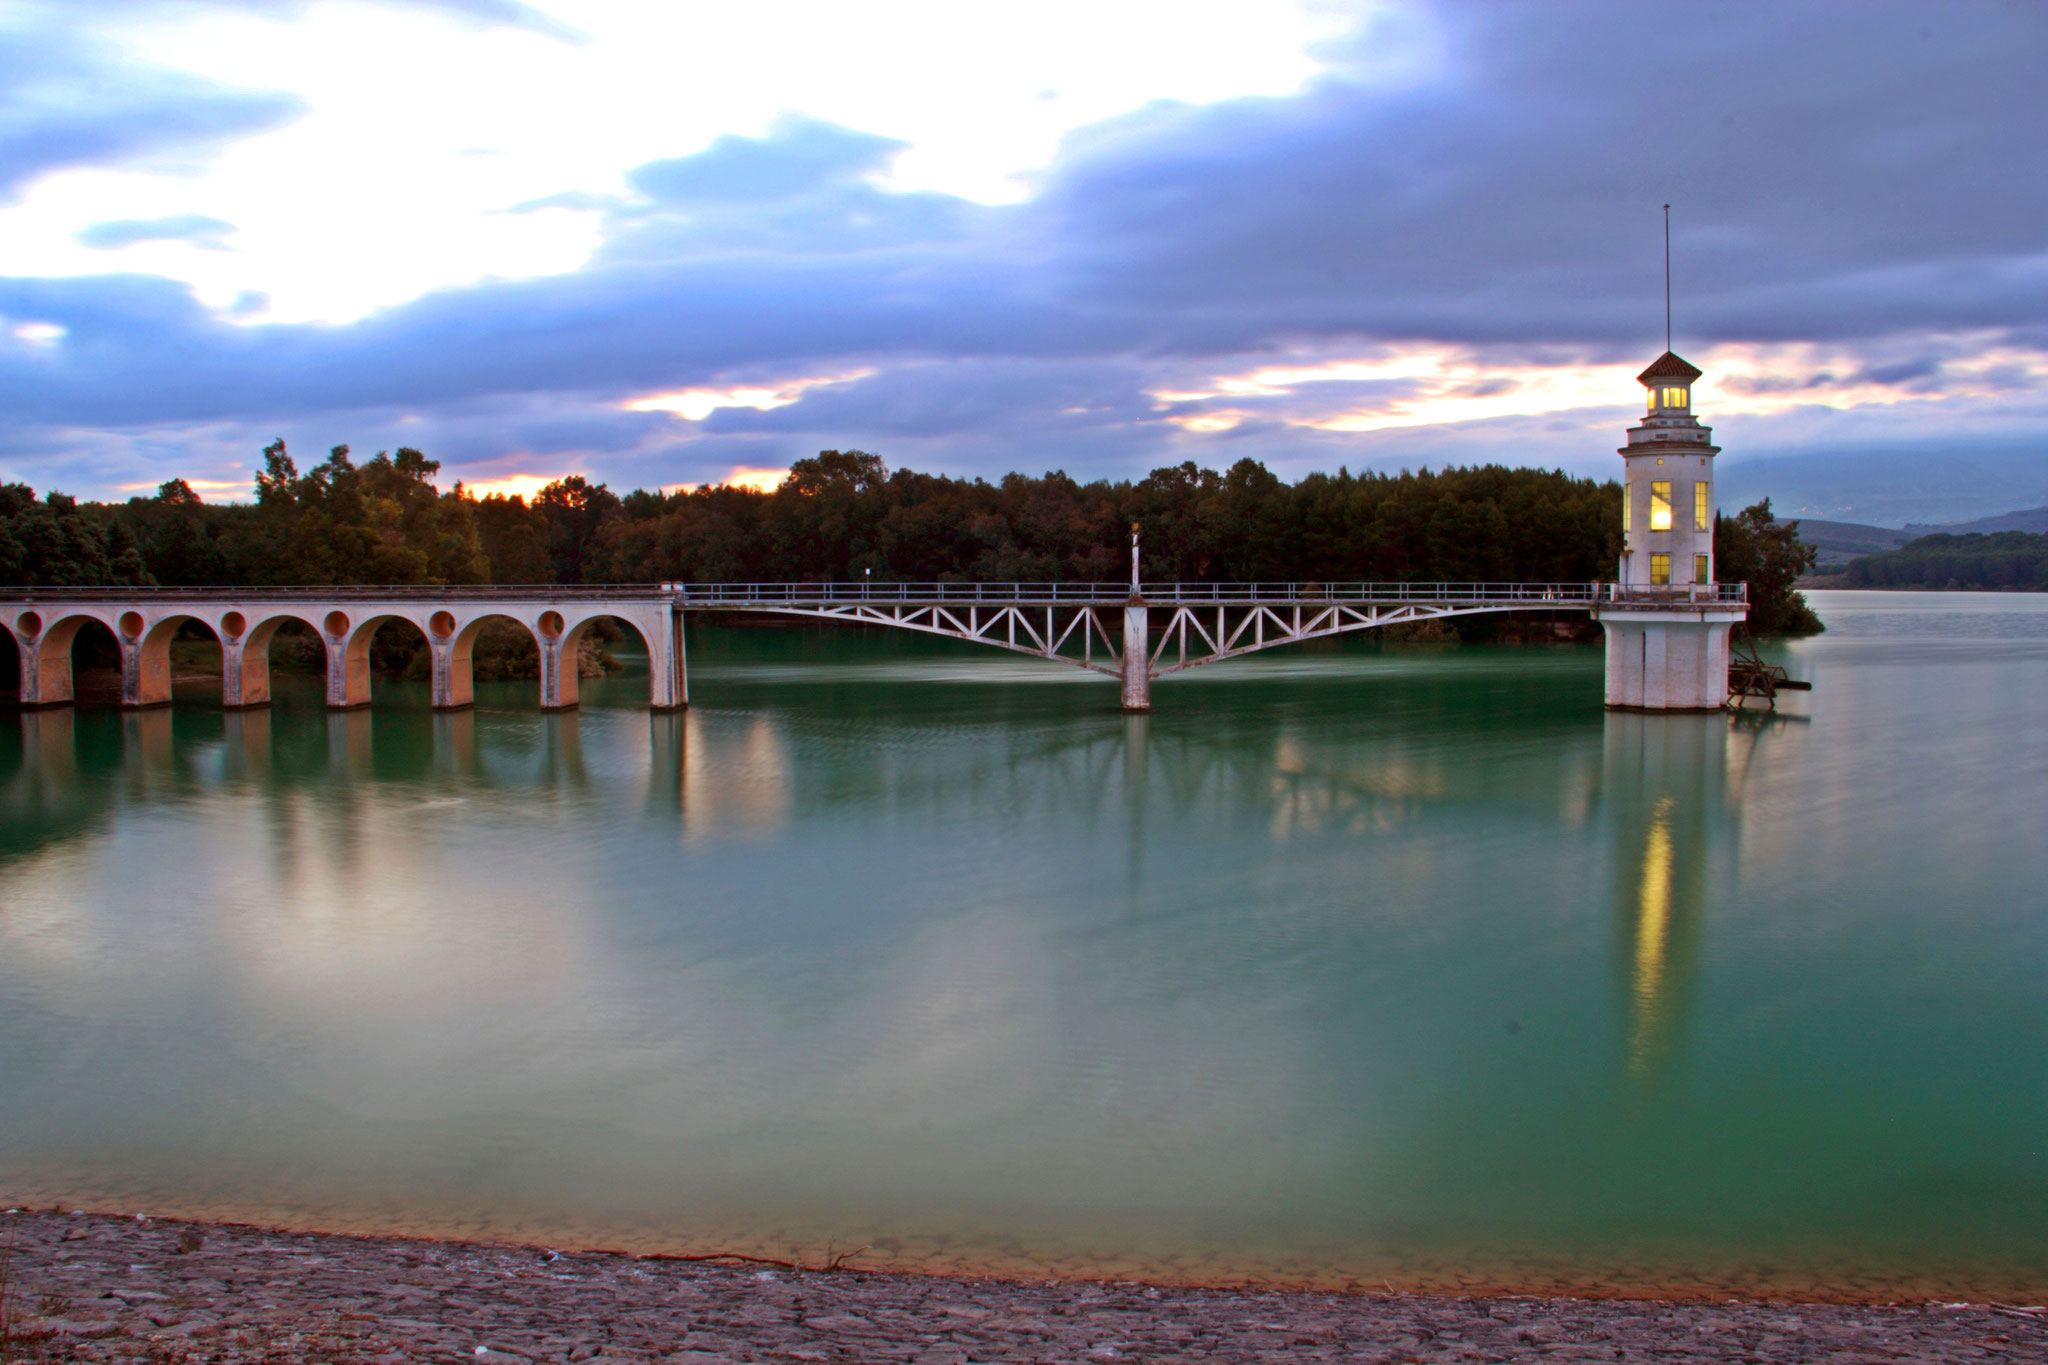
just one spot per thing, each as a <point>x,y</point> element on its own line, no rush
<point>84,1287</point>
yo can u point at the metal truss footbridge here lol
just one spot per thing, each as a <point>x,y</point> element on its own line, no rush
<point>1141,631</point>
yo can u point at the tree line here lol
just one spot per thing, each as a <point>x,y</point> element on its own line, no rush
<point>2001,559</point>
<point>844,515</point>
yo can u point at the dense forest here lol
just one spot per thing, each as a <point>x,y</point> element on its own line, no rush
<point>2002,559</point>
<point>845,515</point>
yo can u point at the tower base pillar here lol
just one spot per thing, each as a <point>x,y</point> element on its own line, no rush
<point>1669,658</point>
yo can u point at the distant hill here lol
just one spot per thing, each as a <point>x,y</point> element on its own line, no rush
<point>1994,560</point>
<point>2032,519</point>
<point>1838,542</point>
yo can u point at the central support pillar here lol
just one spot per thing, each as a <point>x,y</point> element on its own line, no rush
<point>451,682</point>
<point>671,685</point>
<point>1670,660</point>
<point>245,661</point>
<point>348,661</point>
<point>1137,657</point>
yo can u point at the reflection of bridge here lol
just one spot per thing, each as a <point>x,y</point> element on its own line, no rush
<point>1134,632</point>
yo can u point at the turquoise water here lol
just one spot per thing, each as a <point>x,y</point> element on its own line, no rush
<point>1402,963</point>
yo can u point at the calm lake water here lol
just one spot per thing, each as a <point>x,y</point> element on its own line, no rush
<point>1402,963</point>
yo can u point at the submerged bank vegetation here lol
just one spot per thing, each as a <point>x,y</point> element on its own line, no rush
<point>845,515</point>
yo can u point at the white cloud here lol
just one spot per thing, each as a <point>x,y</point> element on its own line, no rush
<point>742,476</point>
<point>696,404</point>
<point>422,126</point>
<point>37,333</point>
<point>1440,385</point>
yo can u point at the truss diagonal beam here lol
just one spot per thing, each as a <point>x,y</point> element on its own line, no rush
<point>1195,633</point>
<point>1064,634</point>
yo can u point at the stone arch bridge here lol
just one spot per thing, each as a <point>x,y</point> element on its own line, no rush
<point>45,622</point>
<point>1134,632</point>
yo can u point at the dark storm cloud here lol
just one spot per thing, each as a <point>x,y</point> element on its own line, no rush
<point>1488,176</point>
<point>1832,173</point>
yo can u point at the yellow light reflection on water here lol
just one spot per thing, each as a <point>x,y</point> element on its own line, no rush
<point>1648,997</point>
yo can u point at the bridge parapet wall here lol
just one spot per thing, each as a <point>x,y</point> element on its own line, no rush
<point>45,623</point>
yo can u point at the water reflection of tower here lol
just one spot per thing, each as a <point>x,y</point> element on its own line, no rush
<point>1665,785</point>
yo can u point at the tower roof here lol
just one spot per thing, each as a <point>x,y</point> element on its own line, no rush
<point>1670,365</point>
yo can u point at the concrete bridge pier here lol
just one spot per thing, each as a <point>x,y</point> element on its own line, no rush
<point>145,661</point>
<point>558,690</point>
<point>1137,656</point>
<point>245,661</point>
<point>451,685</point>
<point>1674,659</point>
<point>348,659</point>
<point>45,659</point>
<point>1137,653</point>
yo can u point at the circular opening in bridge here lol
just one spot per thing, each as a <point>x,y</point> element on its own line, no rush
<point>551,624</point>
<point>233,624</point>
<point>336,623</point>
<point>30,623</point>
<point>131,624</point>
<point>443,624</point>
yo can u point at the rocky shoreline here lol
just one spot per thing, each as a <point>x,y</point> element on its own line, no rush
<point>84,1287</point>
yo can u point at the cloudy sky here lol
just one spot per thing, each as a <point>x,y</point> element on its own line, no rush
<point>667,243</point>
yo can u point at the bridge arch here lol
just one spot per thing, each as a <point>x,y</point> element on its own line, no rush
<point>569,647</point>
<point>349,636</point>
<point>147,674</point>
<point>452,636</point>
<point>44,638</point>
<point>246,637</point>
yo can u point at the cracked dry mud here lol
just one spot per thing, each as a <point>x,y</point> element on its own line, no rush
<point>101,1288</point>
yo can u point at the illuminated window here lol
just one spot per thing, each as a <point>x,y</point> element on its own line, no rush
<point>1674,398</point>
<point>1700,510</point>
<point>1660,571</point>
<point>1660,505</point>
<point>1626,499</point>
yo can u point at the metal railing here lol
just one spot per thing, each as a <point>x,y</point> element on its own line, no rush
<point>1675,594</point>
<point>580,592</point>
<point>769,595</point>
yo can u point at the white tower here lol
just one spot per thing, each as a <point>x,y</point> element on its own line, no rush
<point>1667,513</point>
<point>1666,619</point>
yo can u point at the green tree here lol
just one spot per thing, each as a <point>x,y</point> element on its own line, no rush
<point>56,543</point>
<point>1751,547</point>
<point>514,538</point>
<point>2003,559</point>
<point>574,509</point>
